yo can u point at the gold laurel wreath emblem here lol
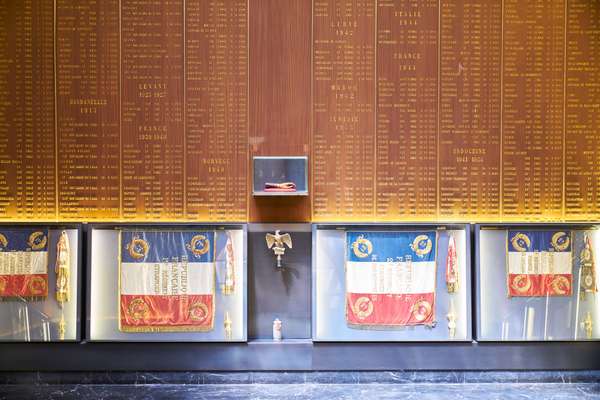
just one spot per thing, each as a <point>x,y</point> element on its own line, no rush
<point>3,242</point>
<point>560,285</point>
<point>198,312</point>
<point>521,283</point>
<point>421,310</point>
<point>560,241</point>
<point>520,242</point>
<point>203,249</point>
<point>37,240</point>
<point>138,248</point>
<point>363,307</point>
<point>36,286</point>
<point>419,248</point>
<point>138,310</point>
<point>362,247</point>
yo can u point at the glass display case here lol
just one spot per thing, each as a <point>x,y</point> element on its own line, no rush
<point>167,283</point>
<point>279,283</point>
<point>39,282</point>
<point>280,176</point>
<point>384,282</point>
<point>537,282</point>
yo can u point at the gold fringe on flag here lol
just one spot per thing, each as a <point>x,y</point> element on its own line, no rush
<point>62,269</point>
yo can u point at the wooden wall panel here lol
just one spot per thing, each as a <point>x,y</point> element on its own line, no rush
<point>152,141</point>
<point>463,110</point>
<point>470,91</point>
<point>216,131</point>
<point>27,148</point>
<point>582,112</point>
<point>344,109</point>
<point>280,95</point>
<point>407,97</point>
<point>87,82</point>
<point>532,111</point>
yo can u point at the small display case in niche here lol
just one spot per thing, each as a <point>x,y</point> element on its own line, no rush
<point>537,282</point>
<point>167,283</point>
<point>391,282</point>
<point>280,176</point>
<point>39,282</point>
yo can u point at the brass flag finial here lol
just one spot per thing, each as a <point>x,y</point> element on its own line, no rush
<point>588,325</point>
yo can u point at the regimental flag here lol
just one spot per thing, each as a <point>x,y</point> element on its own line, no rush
<point>539,263</point>
<point>24,263</point>
<point>390,278</point>
<point>167,281</point>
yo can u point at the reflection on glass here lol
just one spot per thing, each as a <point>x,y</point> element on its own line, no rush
<point>38,284</point>
<point>280,176</point>
<point>168,284</point>
<point>385,283</point>
<point>538,284</point>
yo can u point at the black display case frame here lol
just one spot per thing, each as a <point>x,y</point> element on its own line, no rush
<point>150,226</point>
<point>477,271</point>
<point>293,354</point>
<point>389,226</point>
<point>80,273</point>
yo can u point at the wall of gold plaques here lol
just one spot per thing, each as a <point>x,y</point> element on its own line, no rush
<point>463,110</point>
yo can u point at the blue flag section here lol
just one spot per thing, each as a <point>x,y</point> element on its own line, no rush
<point>158,246</point>
<point>369,246</point>
<point>539,241</point>
<point>27,239</point>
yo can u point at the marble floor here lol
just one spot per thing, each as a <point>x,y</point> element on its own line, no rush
<point>370,391</point>
<point>370,385</point>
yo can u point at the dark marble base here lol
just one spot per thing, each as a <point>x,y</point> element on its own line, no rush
<point>345,377</point>
<point>556,391</point>
<point>302,385</point>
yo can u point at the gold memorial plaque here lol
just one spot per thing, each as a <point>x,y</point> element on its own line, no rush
<point>451,110</point>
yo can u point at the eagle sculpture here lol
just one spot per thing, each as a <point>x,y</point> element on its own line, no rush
<point>277,242</point>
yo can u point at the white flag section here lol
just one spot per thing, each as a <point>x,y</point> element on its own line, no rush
<point>167,279</point>
<point>391,278</point>
<point>23,263</point>
<point>539,263</point>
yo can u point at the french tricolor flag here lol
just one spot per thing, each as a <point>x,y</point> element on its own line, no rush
<point>24,263</point>
<point>390,278</point>
<point>167,281</point>
<point>539,263</point>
